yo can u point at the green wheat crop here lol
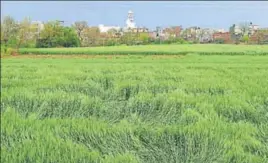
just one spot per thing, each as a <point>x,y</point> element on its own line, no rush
<point>207,49</point>
<point>188,109</point>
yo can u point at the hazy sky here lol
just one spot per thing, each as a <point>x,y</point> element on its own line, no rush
<point>218,14</point>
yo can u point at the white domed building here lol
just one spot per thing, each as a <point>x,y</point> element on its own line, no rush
<point>130,20</point>
<point>131,25</point>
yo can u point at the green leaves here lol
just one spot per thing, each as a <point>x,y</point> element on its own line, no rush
<point>56,35</point>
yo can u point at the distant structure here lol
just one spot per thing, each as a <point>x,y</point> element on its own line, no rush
<point>131,25</point>
<point>206,35</point>
<point>222,37</point>
<point>192,33</point>
<point>37,26</point>
<point>252,29</point>
<point>220,30</point>
<point>243,30</point>
<point>130,20</point>
<point>105,29</point>
<point>173,31</point>
<point>237,29</point>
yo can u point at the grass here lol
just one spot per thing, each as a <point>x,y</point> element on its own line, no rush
<point>190,109</point>
<point>205,49</point>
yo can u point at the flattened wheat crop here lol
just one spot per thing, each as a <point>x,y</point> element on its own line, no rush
<point>142,109</point>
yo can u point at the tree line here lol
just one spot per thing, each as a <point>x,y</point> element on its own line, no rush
<point>54,34</point>
<point>24,34</point>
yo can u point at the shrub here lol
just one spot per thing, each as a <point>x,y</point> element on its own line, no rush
<point>8,51</point>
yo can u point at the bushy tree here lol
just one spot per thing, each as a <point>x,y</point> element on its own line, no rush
<point>70,38</point>
<point>262,36</point>
<point>56,35</point>
<point>9,30</point>
<point>25,33</point>
<point>129,38</point>
<point>245,39</point>
<point>50,35</point>
<point>91,36</point>
<point>144,38</point>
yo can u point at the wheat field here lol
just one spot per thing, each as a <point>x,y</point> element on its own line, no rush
<point>149,109</point>
<point>174,49</point>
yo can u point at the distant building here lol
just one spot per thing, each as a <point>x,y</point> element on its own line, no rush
<point>237,29</point>
<point>260,36</point>
<point>191,33</point>
<point>252,29</point>
<point>243,29</point>
<point>195,30</point>
<point>37,26</point>
<point>131,25</point>
<point>206,35</point>
<point>174,31</point>
<point>160,34</point>
<point>220,30</point>
<point>130,20</point>
<point>224,37</point>
<point>152,35</point>
<point>138,30</point>
<point>105,29</point>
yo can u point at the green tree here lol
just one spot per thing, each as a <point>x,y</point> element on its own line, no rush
<point>25,32</point>
<point>245,39</point>
<point>56,35</point>
<point>111,38</point>
<point>52,35</point>
<point>128,38</point>
<point>9,29</point>
<point>144,38</point>
<point>70,38</point>
<point>48,34</point>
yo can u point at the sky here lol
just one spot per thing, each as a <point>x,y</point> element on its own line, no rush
<point>206,14</point>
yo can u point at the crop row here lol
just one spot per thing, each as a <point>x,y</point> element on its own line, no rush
<point>155,50</point>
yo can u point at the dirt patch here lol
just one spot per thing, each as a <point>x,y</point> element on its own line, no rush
<point>13,53</point>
